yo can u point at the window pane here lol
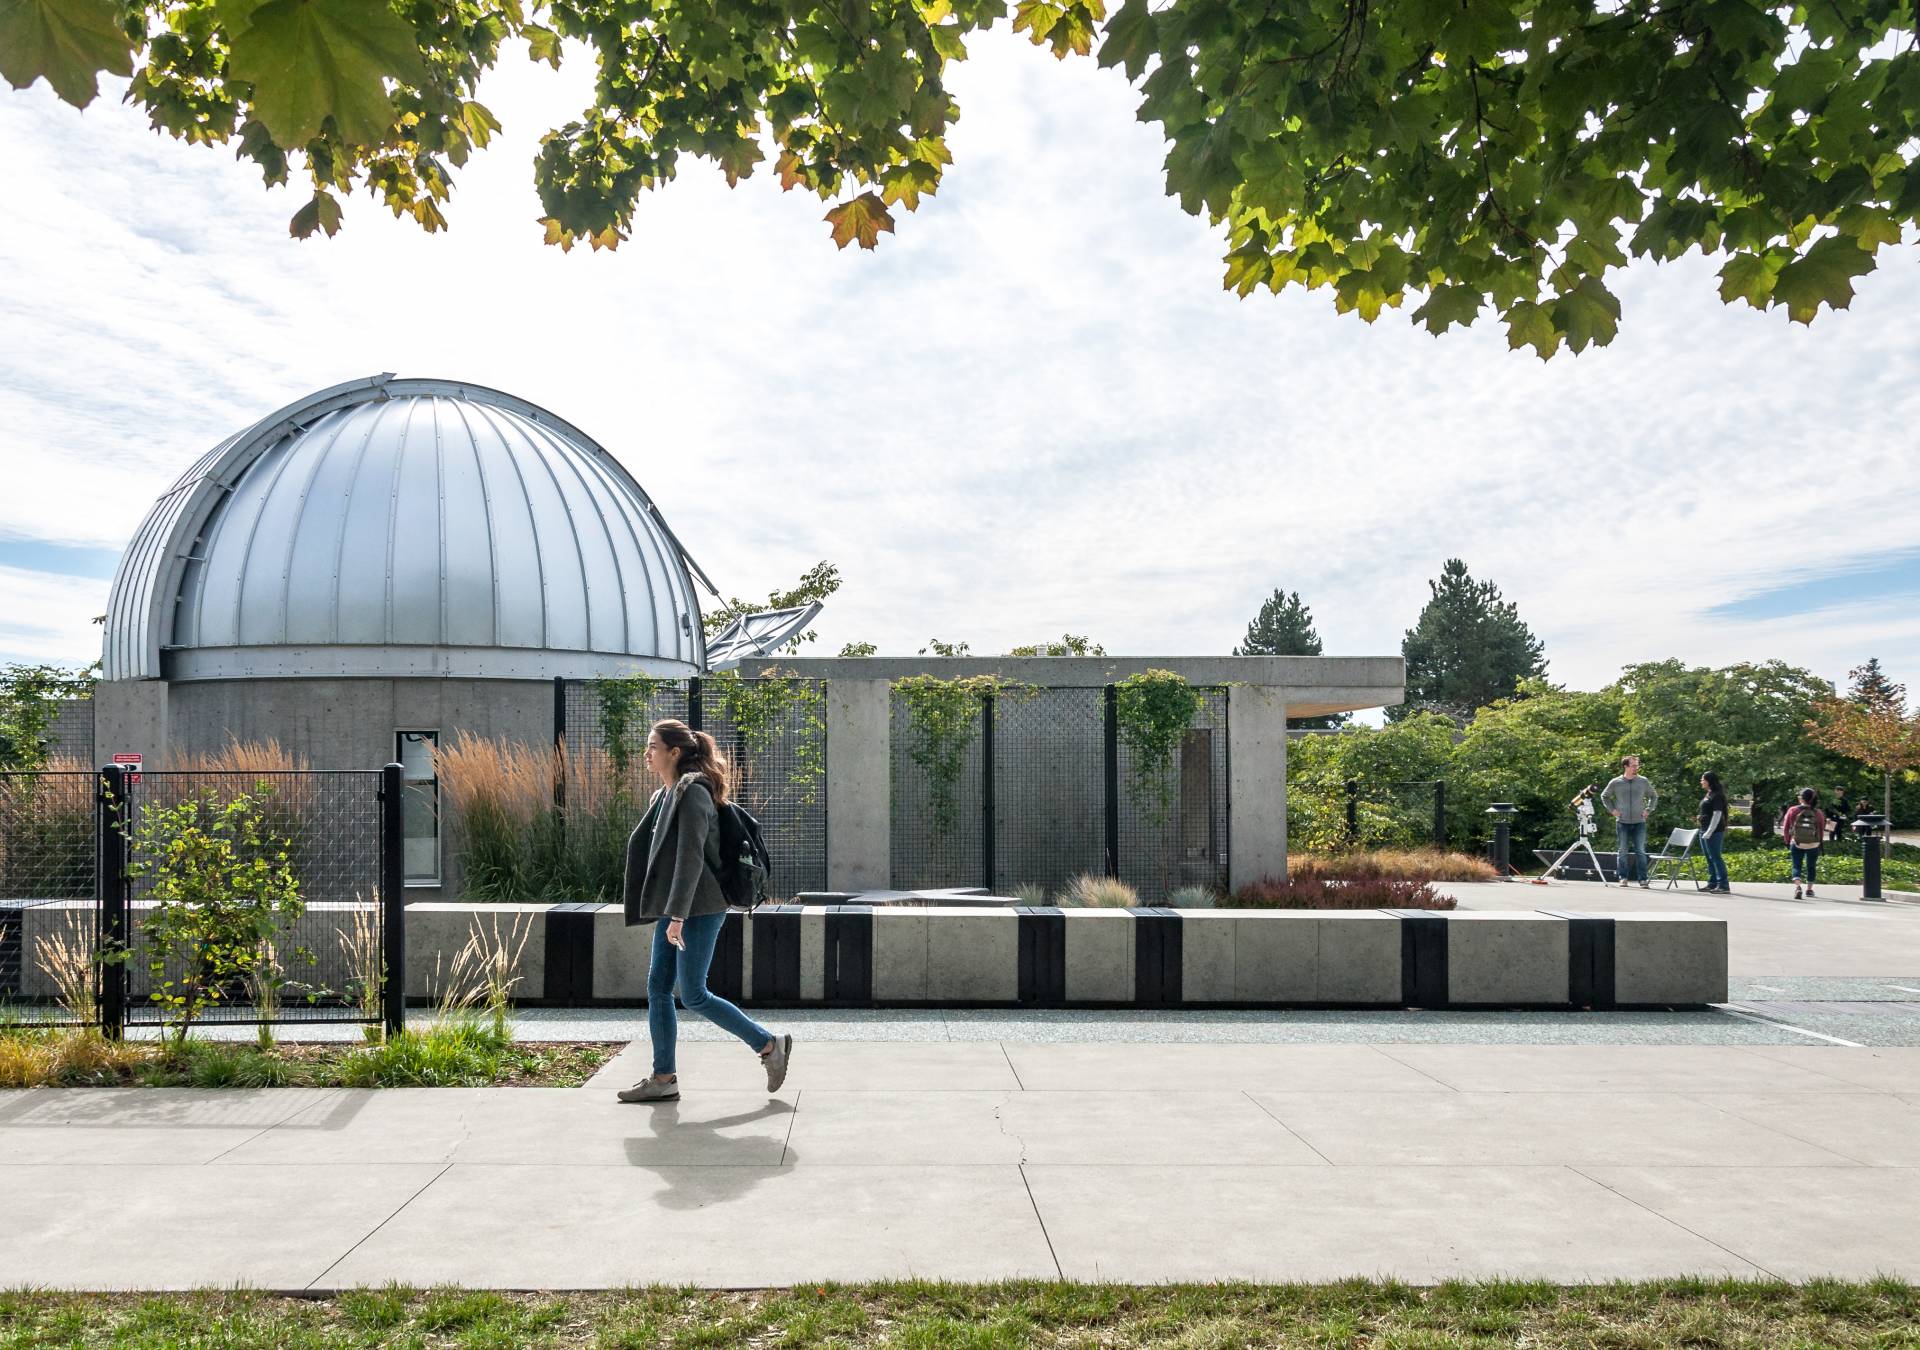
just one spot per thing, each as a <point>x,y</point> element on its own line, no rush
<point>416,755</point>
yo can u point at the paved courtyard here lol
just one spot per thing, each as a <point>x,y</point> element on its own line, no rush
<point>983,1160</point>
<point>1774,1136</point>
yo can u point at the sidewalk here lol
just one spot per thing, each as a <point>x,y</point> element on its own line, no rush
<point>985,1160</point>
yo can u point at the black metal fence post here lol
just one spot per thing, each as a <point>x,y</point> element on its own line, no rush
<point>986,789</point>
<point>393,902</point>
<point>1113,780</point>
<point>1440,814</point>
<point>110,897</point>
<point>560,744</point>
<point>696,711</point>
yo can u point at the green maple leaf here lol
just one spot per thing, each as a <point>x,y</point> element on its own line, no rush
<point>66,42</point>
<point>1587,314</point>
<point>860,221</point>
<point>1749,277</point>
<point>1447,306</point>
<point>309,60</point>
<point>1531,325</point>
<point>543,44</point>
<point>1132,39</point>
<point>1823,275</point>
<point>322,213</point>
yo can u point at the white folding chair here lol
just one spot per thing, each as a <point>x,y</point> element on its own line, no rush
<point>1676,854</point>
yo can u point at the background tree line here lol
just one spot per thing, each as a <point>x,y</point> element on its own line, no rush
<point>1481,716</point>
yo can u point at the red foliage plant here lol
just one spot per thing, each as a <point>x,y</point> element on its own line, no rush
<point>1321,892</point>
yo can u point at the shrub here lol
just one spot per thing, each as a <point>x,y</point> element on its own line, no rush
<point>1099,893</point>
<point>456,1052</point>
<point>1336,893</point>
<point>221,887</point>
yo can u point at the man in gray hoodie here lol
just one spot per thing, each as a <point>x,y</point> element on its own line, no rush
<point>1631,798</point>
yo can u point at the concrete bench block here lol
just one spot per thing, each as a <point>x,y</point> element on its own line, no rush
<point>1504,958</point>
<point>1207,955</point>
<point>1276,956</point>
<point>900,954</point>
<point>813,953</point>
<point>622,956</point>
<point>1359,959</point>
<point>1099,955</point>
<point>1669,958</point>
<point>972,957</point>
<point>437,930</point>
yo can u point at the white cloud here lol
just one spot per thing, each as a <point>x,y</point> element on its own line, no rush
<point>1032,410</point>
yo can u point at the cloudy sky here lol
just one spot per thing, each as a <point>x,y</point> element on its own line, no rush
<point>1032,410</point>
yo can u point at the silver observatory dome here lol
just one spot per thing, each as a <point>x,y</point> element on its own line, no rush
<point>393,528</point>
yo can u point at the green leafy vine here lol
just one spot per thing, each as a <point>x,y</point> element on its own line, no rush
<point>624,704</point>
<point>943,718</point>
<point>758,709</point>
<point>1154,710</point>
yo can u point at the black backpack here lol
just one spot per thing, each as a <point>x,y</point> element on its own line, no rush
<point>744,862</point>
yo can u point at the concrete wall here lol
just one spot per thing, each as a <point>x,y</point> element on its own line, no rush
<point>857,785</point>
<point>1257,783</point>
<point>131,717</point>
<point>937,957</point>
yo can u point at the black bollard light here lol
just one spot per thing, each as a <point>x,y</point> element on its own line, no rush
<point>1502,813</point>
<point>1868,828</point>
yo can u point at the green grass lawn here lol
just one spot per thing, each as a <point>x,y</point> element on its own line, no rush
<point>978,1317</point>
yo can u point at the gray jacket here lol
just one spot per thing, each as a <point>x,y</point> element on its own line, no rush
<point>1634,798</point>
<point>672,874</point>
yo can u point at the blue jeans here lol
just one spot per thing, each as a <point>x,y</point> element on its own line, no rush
<point>688,971</point>
<point>1809,858</point>
<point>1630,843</point>
<point>1712,848</point>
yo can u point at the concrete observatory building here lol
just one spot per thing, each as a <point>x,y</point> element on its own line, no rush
<point>382,564</point>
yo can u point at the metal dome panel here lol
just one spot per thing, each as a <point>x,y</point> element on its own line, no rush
<point>404,527</point>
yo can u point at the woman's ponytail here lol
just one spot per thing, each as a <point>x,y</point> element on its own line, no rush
<point>699,753</point>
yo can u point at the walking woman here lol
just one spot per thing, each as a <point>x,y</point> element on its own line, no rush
<point>672,882</point>
<point>1713,832</point>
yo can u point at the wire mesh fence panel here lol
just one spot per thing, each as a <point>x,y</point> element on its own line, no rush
<point>606,724</point>
<point>48,918</point>
<point>1173,814</point>
<point>605,784</point>
<point>301,850</point>
<point>70,737</point>
<point>1049,787</point>
<point>937,831</point>
<point>775,733</point>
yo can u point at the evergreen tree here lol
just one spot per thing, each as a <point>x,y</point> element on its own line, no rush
<point>1284,627</point>
<point>1871,688</point>
<point>1468,648</point>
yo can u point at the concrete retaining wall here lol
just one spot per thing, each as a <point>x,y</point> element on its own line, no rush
<point>862,956</point>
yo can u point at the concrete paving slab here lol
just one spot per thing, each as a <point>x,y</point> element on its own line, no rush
<point>1799,1224</point>
<point>1533,1129</point>
<point>93,1226</point>
<point>1884,1069</point>
<point>1162,1224</point>
<point>526,1125</point>
<point>839,1066</point>
<point>1614,1068</point>
<point>958,1128</point>
<point>553,1227</point>
<point>135,1126</point>
<point>1877,1129</point>
<point>1090,1067</point>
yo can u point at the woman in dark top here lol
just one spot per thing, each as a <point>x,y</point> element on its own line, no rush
<point>1713,832</point>
<point>672,882</point>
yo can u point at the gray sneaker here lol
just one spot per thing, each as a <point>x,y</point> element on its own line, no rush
<point>776,1062</point>
<point>652,1089</point>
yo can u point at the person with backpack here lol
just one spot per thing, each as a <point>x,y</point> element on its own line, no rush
<point>674,879</point>
<point>1805,827</point>
<point>1631,798</point>
<point>1713,832</point>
